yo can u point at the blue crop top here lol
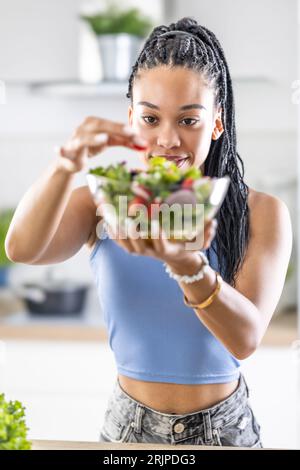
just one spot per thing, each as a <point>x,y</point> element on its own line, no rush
<point>154,336</point>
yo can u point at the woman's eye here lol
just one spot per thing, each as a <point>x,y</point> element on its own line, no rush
<point>149,119</point>
<point>190,121</point>
<point>186,121</point>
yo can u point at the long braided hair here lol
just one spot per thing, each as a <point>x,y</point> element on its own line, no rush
<point>201,51</point>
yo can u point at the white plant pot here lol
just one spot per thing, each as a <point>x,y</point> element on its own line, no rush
<point>118,53</point>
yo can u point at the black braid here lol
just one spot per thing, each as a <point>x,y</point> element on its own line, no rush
<point>204,54</point>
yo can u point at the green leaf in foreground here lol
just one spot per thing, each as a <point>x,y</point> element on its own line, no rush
<point>13,430</point>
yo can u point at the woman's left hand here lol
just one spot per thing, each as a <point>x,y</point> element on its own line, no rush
<point>162,248</point>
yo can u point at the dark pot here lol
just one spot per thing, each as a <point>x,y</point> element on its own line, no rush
<point>55,298</point>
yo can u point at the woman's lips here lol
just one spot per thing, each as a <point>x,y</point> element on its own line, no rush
<point>173,157</point>
<point>178,160</point>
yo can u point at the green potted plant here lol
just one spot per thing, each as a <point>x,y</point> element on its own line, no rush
<point>13,430</point>
<point>120,35</point>
<point>5,263</point>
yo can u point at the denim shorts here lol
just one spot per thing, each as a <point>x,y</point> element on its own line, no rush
<point>230,422</point>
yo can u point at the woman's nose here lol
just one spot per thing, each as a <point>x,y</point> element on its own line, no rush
<point>168,138</point>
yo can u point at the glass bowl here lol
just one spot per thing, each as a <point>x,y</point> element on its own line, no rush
<point>182,215</point>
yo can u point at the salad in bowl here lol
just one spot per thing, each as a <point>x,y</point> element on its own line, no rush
<point>181,201</point>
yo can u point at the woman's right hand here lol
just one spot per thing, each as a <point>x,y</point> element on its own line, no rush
<point>91,138</point>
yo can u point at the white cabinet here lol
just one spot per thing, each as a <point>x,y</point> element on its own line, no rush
<point>65,387</point>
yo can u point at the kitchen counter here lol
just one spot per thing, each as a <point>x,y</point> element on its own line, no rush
<point>16,323</point>
<point>282,330</point>
<point>71,445</point>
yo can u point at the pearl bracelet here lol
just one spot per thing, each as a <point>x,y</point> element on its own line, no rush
<point>195,277</point>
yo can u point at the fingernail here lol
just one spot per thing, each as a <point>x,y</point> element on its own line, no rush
<point>128,130</point>
<point>140,142</point>
<point>101,138</point>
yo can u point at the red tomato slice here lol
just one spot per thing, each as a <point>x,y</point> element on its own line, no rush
<point>188,183</point>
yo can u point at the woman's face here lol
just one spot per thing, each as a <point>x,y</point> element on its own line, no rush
<point>174,110</point>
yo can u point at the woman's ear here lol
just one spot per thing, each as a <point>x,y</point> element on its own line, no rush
<point>130,115</point>
<point>218,126</point>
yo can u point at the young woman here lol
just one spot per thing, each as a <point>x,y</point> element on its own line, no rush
<point>178,376</point>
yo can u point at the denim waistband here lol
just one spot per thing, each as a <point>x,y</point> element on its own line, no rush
<point>216,416</point>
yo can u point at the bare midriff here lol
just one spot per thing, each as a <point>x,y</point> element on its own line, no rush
<point>176,398</point>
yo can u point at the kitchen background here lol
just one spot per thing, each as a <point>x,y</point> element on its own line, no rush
<point>51,78</point>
